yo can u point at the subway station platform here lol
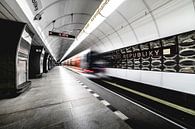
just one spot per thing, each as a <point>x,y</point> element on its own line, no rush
<point>58,101</point>
<point>121,64</point>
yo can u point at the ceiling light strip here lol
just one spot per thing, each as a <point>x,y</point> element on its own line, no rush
<point>103,11</point>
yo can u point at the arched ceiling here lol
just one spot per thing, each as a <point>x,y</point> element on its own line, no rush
<point>69,16</point>
<point>133,22</point>
<point>138,21</point>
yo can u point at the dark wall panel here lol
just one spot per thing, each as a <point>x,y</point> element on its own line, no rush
<point>36,61</point>
<point>170,54</point>
<point>14,49</point>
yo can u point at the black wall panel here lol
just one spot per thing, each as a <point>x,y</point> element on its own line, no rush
<point>45,63</point>
<point>14,49</point>
<point>36,61</point>
<point>170,54</point>
<point>186,46</point>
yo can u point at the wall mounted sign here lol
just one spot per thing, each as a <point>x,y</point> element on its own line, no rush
<point>35,6</point>
<point>170,54</point>
<point>59,34</point>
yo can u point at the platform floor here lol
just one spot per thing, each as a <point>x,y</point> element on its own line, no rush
<point>57,101</point>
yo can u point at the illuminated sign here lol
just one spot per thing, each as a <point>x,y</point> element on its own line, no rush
<point>52,33</point>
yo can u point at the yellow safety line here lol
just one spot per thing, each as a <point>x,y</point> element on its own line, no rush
<point>183,109</point>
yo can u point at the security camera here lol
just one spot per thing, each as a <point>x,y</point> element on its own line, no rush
<point>38,16</point>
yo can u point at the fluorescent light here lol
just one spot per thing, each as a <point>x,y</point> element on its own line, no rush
<point>110,7</point>
<point>99,19</point>
<point>82,36</point>
<point>78,40</point>
<point>103,11</point>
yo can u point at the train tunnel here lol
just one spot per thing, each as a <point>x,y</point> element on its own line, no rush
<point>97,64</point>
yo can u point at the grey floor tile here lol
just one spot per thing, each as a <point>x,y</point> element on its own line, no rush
<point>84,101</point>
<point>57,101</point>
<point>103,119</point>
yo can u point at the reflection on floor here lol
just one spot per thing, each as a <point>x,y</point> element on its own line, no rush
<point>57,101</point>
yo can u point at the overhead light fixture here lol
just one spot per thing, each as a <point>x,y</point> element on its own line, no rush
<point>92,25</point>
<point>109,7</point>
<point>103,11</point>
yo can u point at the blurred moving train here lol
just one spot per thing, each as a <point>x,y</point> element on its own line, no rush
<point>88,62</point>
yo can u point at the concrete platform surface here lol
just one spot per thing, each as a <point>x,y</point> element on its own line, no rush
<point>57,101</point>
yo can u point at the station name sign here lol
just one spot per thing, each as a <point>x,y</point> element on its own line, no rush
<point>61,34</point>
